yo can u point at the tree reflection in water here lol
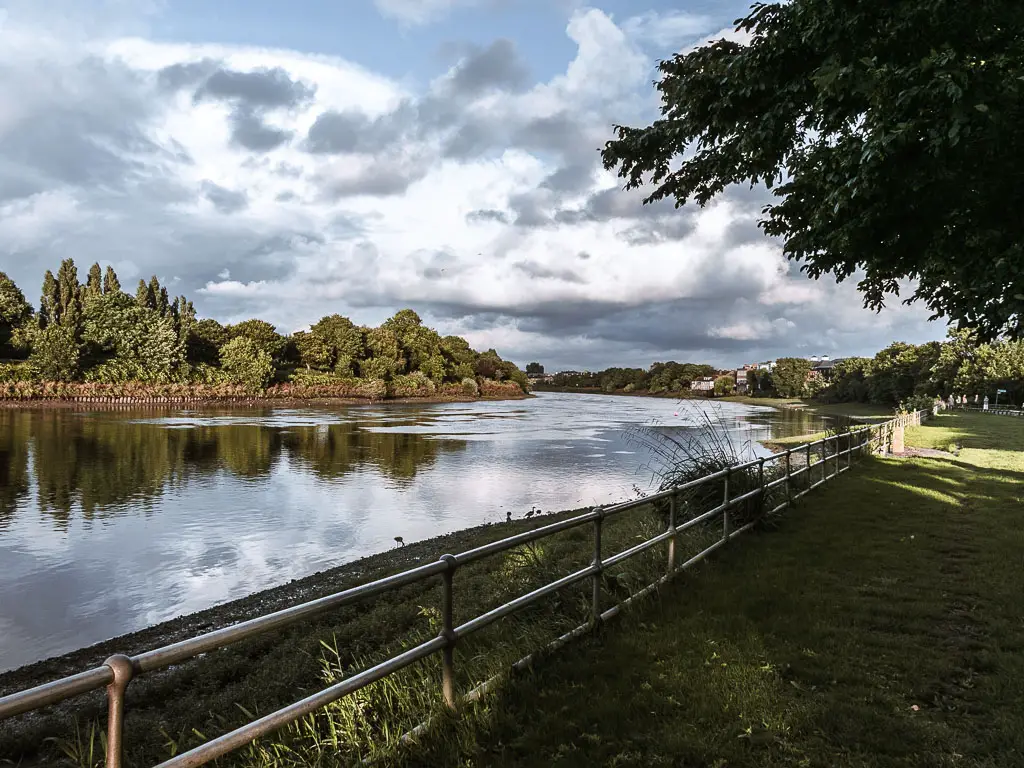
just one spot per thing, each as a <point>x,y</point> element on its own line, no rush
<point>107,463</point>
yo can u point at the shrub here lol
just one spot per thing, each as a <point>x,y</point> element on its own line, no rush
<point>916,403</point>
<point>470,387</point>
<point>415,384</point>
<point>489,388</point>
<point>56,355</point>
<point>246,363</point>
<point>13,372</point>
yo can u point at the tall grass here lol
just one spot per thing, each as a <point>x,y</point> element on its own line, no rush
<point>680,456</point>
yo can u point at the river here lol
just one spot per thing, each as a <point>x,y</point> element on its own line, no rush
<point>111,521</point>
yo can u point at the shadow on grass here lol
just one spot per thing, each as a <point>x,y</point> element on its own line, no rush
<point>869,629</point>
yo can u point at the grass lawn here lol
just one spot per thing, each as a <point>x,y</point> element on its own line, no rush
<point>880,623</point>
<point>857,410</point>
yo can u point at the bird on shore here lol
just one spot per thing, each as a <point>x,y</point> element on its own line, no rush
<point>400,540</point>
<point>508,516</point>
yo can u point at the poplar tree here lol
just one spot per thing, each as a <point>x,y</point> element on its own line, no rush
<point>48,303</point>
<point>110,282</point>
<point>94,282</point>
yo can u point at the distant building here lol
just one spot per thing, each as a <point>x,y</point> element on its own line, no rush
<point>703,384</point>
<point>823,365</point>
<point>741,378</point>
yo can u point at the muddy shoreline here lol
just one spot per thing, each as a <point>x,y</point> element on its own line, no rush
<point>84,403</point>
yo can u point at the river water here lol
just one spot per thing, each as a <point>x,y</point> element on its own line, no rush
<point>111,521</point>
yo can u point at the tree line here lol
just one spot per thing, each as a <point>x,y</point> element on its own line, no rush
<point>96,332</point>
<point>961,365</point>
<point>902,372</point>
<point>659,378</point>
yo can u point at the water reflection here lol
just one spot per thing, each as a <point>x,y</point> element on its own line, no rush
<point>102,463</point>
<point>114,520</point>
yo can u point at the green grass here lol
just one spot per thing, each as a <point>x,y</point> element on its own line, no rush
<point>856,410</point>
<point>879,624</point>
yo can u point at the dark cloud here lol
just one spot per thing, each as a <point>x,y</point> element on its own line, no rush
<point>563,132</point>
<point>529,209</point>
<point>88,135</point>
<point>440,265</point>
<point>463,134</point>
<point>353,132</point>
<point>337,132</point>
<point>496,67</point>
<point>14,186</point>
<point>383,178</point>
<point>474,138</point>
<point>224,200</point>
<point>249,131</point>
<point>683,324</point>
<point>541,272</point>
<point>571,178</point>
<point>259,89</point>
<point>742,231</point>
<point>487,215</point>
<point>178,76</point>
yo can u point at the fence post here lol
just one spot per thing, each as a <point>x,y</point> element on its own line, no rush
<point>448,633</point>
<point>595,582</point>
<point>810,477</point>
<point>789,470</point>
<point>760,481</point>
<point>672,530</point>
<point>123,671</point>
<point>725,506</point>
<point>849,449</point>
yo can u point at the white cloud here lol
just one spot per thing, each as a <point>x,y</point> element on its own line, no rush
<point>667,30</point>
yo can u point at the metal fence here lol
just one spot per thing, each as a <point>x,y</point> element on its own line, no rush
<point>990,409</point>
<point>784,472</point>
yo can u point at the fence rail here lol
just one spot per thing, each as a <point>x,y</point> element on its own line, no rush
<point>835,452</point>
<point>990,409</point>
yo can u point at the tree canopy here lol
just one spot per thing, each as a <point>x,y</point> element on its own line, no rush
<point>891,132</point>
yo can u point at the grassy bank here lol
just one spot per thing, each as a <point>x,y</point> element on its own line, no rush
<point>863,411</point>
<point>878,625</point>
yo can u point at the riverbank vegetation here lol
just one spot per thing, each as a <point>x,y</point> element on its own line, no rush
<point>875,626</point>
<point>959,365</point>
<point>94,341</point>
<point>901,374</point>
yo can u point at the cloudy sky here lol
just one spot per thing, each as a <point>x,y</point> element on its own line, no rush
<point>290,160</point>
